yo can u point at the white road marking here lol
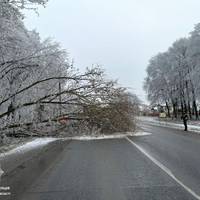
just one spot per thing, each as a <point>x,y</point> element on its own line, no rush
<point>165,169</point>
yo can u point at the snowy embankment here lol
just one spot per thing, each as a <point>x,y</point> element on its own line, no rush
<point>38,142</point>
<point>18,153</point>
<point>177,125</point>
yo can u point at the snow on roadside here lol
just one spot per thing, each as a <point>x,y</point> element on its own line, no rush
<point>38,142</point>
<point>1,171</point>
<point>103,137</point>
<point>157,122</point>
<point>140,133</point>
<point>99,137</point>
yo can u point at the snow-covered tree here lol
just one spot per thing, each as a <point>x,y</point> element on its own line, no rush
<point>176,73</point>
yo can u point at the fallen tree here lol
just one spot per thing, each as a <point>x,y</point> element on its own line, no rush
<point>39,84</point>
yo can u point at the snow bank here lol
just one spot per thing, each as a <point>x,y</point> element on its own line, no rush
<point>100,137</point>
<point>39,142</point>
<point>176,125</point>
<point>142,134</point>
<point>103,137</point>
<point>1,172</point>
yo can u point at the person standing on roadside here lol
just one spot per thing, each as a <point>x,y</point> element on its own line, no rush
<point>185,119</point>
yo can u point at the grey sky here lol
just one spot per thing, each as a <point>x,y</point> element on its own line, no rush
<point>121,35</point>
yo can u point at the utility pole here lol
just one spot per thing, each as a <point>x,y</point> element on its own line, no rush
<point>60,98</point>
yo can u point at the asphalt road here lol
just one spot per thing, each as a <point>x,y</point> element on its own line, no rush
<point>177,150</point>
<point>113,169</point>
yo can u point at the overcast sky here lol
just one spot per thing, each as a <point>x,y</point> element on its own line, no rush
<point>120,35</point>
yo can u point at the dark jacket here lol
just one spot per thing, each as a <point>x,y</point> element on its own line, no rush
<point>184,117</point>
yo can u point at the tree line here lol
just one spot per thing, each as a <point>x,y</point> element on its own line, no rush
<point>173,77</point>
<point>39,83</point>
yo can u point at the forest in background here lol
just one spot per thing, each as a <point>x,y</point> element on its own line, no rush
<point>173,77</point>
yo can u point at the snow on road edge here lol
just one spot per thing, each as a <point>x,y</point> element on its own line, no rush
<point>179,126</point>
<point>141,133</point>
<point>114,136</point>
<point>38,142</point>
<point>23,148</point>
